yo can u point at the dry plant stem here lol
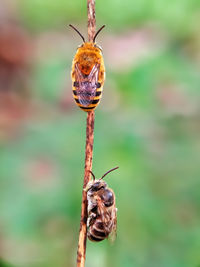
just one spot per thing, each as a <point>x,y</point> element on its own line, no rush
<point>91,19</point>
<point>88,151</point>
<point>88,166</point>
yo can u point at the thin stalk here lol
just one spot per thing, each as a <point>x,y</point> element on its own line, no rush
<point>88,166</point>
<point>81,252</point>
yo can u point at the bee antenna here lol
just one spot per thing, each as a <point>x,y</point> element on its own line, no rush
<point>92,174</point>
<point>77,32</point>
<point>108,172</point>
<point>98,33</point>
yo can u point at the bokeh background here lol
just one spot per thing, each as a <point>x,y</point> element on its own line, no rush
<point>148,123</point>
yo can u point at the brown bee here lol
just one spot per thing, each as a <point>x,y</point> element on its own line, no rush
<point>88,74</point>
<point>102,219</point>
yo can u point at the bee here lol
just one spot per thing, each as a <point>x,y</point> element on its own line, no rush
<point>102,218</point>
<point>88,74</point>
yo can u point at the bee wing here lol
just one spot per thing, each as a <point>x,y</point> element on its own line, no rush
<point>86,85</point>
<point>113,234</point>
<point>109,219</point>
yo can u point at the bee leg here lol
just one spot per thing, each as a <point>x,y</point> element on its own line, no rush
<point>92,206</point>
<point>91,219</point>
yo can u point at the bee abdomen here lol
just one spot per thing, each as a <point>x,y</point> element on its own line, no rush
<point>96,232</point>
<point>95,101</point>
<point>90,103</point>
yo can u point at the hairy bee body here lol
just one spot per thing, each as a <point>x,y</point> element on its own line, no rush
<point>88,75</point>
<point>101,211</point>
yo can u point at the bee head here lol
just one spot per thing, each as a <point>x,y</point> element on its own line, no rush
<point>96,185</point>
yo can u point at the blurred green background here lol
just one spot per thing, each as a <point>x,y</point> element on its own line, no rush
<point>148,124</point>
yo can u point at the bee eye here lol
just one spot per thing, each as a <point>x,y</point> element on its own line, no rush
<point>95,187</point>
<point>97,46</point>
<point>108,198</point>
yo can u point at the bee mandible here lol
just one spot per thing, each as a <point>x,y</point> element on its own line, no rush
<point>88,73</point>
<point>102,218</point>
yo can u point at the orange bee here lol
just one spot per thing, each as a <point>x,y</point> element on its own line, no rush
<point>88,74</point>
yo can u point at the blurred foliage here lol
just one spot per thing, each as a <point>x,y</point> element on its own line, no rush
<point>148,123</point>
<point>3,264</point>
<point>179,16</point>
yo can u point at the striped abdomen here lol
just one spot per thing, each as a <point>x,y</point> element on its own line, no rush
<point>87,100</point>
<point>97,232</point>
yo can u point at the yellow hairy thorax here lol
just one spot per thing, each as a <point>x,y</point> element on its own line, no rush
<point>87,56</point>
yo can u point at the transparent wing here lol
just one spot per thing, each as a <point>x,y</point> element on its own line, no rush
<point>86,85</point>
<point>109,219</point>
<point>113,234</point>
